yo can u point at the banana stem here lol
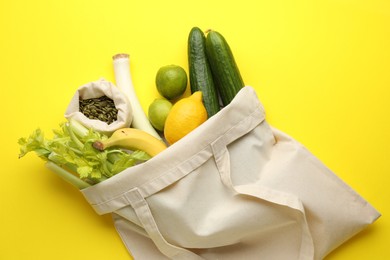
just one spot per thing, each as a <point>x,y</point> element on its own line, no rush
<point>98,145</point>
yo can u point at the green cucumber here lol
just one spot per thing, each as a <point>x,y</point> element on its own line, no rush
<point>225,72</point>
<point>200,75</point>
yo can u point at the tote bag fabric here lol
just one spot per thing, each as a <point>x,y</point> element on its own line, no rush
<point>234,188</point>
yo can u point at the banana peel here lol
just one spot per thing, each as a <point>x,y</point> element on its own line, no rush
<point>132,139</point>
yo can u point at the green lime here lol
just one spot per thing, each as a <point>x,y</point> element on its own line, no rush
<point>171,81</point>
<point>158,112</point>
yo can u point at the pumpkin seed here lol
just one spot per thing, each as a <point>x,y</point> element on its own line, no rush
<point>101,108</point>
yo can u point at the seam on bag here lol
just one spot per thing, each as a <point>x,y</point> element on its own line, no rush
<point>178,168</point>
<point>141,188</point>
<point>252,115</point>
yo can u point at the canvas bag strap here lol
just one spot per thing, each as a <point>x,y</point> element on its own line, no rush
<point>141,207</point>
<point>136,196</point>
<point>222,160</point>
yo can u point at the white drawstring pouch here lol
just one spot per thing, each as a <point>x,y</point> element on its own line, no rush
<point>97,89</point>
<point>234,188</point>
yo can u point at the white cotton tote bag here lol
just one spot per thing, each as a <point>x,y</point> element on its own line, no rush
<point>234,188</point>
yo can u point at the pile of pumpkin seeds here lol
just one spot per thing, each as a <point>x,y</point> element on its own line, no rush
<point>101,108</point>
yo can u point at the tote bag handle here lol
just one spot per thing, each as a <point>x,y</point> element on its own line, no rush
<point>222,160</point>
<point>136,196</point>
<point>144,214</point>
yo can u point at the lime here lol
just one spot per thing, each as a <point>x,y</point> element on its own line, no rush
<point>158,112</point>
<point>171,81</point>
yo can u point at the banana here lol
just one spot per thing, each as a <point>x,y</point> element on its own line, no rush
<point>132,139</point>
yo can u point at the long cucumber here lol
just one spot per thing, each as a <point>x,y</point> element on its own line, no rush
<point>200,75</point>
<point>224,69</point>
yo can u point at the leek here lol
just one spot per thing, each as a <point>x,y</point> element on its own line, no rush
<point>124,82</point>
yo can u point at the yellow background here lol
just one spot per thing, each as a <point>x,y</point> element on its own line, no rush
<point>321,69</point>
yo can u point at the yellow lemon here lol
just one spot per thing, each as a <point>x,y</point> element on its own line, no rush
<point>185,115</point>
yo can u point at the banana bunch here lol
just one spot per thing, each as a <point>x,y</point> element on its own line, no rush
<point>132,139</point>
